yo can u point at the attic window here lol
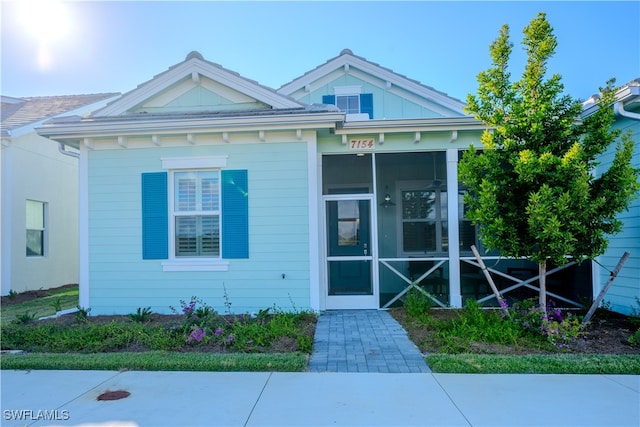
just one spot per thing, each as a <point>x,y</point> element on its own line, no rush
<point>349,104</point>
<point>359,106</point>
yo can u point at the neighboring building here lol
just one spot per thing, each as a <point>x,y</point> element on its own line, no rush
<point>624,294</point>
<point>39,195</point>
<point>338,190</point>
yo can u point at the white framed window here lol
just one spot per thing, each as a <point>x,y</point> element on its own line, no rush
<point>195,213</point>
<point>349,104</point>
<point>36,228</point>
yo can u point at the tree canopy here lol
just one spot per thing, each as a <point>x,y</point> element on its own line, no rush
<point>532,189</point>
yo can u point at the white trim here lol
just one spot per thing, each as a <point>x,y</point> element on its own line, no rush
<point>194,162</point>
<point>195,265</point>
<point>314,224</point>
<point>336,302</point>
<point>455,297</point>
<point>347,90</point>
<point>191,263</point>
<point>205,69</point>
<point>83,225</point>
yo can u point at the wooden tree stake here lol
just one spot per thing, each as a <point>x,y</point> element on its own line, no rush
<point>612,277</point>
<point>489,279</point>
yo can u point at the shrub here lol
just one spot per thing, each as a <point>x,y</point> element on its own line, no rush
<point>559,329</point>
<point>142,315</point>
<point>418,306</point>
<point>476,324</point>
<point>26,317</point>
<point>82,314</point>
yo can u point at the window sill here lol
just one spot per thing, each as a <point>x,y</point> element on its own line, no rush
<point>195,265</point>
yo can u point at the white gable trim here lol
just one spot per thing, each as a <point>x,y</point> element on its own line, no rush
<point>187,69</point>
<point>389,77</point>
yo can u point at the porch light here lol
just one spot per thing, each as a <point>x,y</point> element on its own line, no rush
<point>386,202</point>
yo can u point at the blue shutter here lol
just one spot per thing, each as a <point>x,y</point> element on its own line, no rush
<point>235,214</point>
<point>329,99</point>
<point>155,216</point>
<point>366,104</point>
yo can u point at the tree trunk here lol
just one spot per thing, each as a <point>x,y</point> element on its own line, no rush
<point>542,272</point>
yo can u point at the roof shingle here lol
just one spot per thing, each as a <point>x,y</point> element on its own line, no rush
<point>18,112</point>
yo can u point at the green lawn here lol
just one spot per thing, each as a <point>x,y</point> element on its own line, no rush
<point>160,361</point>
<point>41,307</point>
<point>619,364</point>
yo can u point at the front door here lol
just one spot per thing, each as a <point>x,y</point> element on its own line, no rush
<point>350,258</point>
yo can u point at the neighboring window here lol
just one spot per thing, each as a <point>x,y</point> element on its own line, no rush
<point>196,213</point>
<point>424,221</point>
<point>35,228</point>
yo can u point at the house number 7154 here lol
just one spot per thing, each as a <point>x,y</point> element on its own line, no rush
<point>362,144</point>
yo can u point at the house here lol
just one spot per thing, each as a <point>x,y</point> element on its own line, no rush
<point>337,190</point>
<point>39,195</point>
<point>624,294</point>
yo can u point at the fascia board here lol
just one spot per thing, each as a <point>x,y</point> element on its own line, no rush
<point>628,93</point>
<point>185,69</point>
<point>119,128</point>
<point>411,125</point>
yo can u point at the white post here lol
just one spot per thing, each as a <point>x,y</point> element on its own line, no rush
<point>83,224</point>
<point>314,222</point>
<point>455,296</point>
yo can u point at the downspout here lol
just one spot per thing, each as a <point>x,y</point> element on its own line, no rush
<point>63,150</point>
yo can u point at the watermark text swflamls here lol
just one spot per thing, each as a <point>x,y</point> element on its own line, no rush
<point>36,415</point>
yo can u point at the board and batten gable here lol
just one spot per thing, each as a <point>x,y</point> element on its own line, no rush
<point>203,95</point>
<point>276,271</point>
<point>391,95</point>
<point>624,294</point>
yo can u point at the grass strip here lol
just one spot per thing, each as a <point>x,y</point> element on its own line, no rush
<point>614,364</point>
<point>65,298</point>
<point>159,361</point>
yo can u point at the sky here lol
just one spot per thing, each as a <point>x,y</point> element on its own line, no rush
<point>113,46</point>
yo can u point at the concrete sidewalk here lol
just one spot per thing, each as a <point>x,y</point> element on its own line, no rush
<point>69,398</point>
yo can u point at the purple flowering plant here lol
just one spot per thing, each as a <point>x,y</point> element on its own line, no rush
<point>559,328</point>
<point>196,335</point>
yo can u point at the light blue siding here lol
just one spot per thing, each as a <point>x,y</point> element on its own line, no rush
<point>201,99</point>
<point>625,289</point>
<point>121,281</point>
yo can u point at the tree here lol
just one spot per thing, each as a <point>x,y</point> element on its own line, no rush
<point>531,189</point>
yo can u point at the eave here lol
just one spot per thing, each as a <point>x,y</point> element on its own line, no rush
<point>412,125</point>
<point>73,132</point>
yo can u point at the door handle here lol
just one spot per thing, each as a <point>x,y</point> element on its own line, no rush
<point>365,249</point>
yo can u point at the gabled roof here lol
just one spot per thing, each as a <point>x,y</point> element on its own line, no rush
<point>19,112</point>
<point>195,68</point>
<point>347,59</point>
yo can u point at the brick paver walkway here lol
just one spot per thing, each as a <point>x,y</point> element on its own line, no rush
<point>363,341</point>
